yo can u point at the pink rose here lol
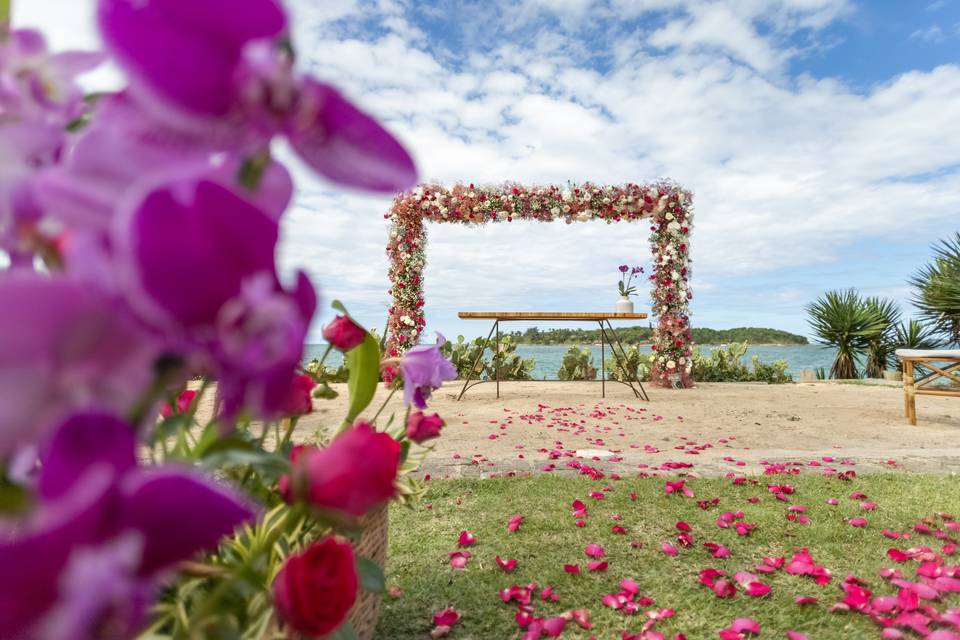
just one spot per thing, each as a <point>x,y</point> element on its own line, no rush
<point>343,333</point>
<point>421,427</point>
<point>355,473</point>
<point>316,589</point>
<point>300,400</point>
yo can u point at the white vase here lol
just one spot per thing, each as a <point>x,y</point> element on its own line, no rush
<point>624,305</point>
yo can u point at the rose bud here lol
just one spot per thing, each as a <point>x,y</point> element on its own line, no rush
<point>344,334</point>
<point>421,427</point>
<point>300,399</point>
<point>316,588</point>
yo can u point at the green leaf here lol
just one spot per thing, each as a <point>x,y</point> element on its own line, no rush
<point>371,575</point>
<point>363,363</point>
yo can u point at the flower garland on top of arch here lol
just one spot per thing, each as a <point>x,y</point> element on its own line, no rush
<point>668,206</point>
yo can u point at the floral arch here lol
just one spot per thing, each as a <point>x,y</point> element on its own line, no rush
<point>665,204</point>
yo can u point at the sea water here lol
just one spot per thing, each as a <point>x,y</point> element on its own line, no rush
<point>549,356</point>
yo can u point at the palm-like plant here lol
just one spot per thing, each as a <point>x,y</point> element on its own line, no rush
<point>913,334</point>
<point>881,347</point>
<point>936,289</point>
<point>842,320</point>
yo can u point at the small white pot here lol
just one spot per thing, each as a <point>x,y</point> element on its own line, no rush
<point>624,305</point>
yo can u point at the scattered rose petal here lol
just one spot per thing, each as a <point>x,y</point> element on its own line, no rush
<point>466,539</point>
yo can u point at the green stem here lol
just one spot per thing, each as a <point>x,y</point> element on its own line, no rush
<point>291,425</point>
<point>393,390</point>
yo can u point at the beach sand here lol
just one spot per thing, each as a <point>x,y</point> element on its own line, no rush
<point>719,428</point>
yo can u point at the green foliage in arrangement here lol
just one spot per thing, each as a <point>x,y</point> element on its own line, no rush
<point>465,355</point>
<point>636,365</point>
<point>936,290</point>
<point>726,365</point>
<point>644,335</point>
<point>577,364</point>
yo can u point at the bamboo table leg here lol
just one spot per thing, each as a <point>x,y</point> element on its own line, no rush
<point>909,392</point>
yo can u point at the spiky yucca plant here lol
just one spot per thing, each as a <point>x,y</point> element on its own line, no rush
<point>913,334</point>
<point>936,289</point>
<point>842,320</point>
<point>881,347</point>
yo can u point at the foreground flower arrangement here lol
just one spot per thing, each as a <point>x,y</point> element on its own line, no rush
<point>668,207</point>
<point>141,228</point>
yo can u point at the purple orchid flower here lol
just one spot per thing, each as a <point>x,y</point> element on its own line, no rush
<point>225,72</point>
<point>623,268</point>
<point>424,369</point>
<point>220,293</point>
<point>65,346</point>
<point>89,556</point>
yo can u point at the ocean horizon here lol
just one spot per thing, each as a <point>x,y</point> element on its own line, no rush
<point>549,356</point>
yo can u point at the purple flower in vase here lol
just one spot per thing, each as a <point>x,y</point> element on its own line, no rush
<point>89,555</point>
<point>226,73</point>
<point>218,293</point>
<point>424,369</point>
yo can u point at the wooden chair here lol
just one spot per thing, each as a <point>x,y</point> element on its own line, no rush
<point>947,370</point>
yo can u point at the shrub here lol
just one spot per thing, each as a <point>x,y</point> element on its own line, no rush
<point>577,365</point>
<point>937,290</point>
<point>841,319</point>
<point>464,354</point>
<point>636,365</point>
<point>726,365</point>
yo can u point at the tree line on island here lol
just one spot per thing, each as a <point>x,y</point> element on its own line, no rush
<point>644,335</point>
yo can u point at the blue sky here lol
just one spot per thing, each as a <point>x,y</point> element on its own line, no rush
<point>818,136</point>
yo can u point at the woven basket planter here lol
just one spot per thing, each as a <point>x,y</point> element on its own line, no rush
<point>372,545</point>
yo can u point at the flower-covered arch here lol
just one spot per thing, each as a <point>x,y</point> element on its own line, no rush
<point>668,207</point>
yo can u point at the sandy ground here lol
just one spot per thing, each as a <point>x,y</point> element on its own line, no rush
<point>717,428</point>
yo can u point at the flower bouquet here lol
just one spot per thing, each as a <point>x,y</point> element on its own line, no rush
<point>150,379</point>
<point>625,286</point>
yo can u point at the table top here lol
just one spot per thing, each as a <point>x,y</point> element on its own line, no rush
<point>548,315</point>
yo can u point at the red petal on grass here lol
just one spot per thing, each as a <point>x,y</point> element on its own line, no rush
<point>757,589</point>
<point>857,522</point>
<point>597,565</point>
<point>571,568</point>
<point>514,523</point>
<point>506,565</point>
<point>897,555</point>
<point>804,600</point>
<point>833,502</point>
<point>581,523</point>
<point>466,539</point>
<point>795,635</point>
<point>448,617</point>
<point>869,506</point>
<point>746,625</point>
<point>718,550</point>
<point>579,508</point>
<point>683,526</point>
<point>458,559</point>
<point>594,550</point>
<point>553,627</point>
<point>630,586</point>
<point>597,495</point>
<point>582,618</point>
<point>724,589</point>
<point>669,549</point>
<point>618,529</point>
<point>709,576</point>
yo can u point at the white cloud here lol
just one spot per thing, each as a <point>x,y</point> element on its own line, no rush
<point>933,34</point>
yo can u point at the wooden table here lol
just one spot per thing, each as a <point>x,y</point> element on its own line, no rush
<point>937,365</point>
<point>602,319</point>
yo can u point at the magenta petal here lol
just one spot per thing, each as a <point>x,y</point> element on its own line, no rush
<point>82,441</point>
<point>746,625</point>
<point>154,500</point>
<point>38,556</point>
<point>221,240</point>
<point>186,53</point>
<point>346,145</point>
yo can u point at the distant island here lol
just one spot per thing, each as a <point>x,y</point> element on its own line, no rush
<point>643,335</point>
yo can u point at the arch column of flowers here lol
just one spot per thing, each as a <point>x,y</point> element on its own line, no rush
<point>668,207</point>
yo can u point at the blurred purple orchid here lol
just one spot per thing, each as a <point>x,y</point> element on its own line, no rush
<point>225,72</point>
<point>221,293</point>
<point>65,347</point>
<point>88,558</point>
<point>424,369</point>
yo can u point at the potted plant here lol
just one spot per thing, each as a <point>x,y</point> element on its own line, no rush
<point>626,288</point>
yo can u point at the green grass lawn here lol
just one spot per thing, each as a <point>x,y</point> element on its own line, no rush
<point>548,539</point>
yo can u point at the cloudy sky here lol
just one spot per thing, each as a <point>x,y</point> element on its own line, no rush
<point>820,138</point>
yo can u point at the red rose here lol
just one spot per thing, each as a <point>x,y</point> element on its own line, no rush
<point>316,589</point>
<point>183,403</point>
<point>300,398</point>
<point>355,473</point>
<point>421,427</point>
<point>343,333</point>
